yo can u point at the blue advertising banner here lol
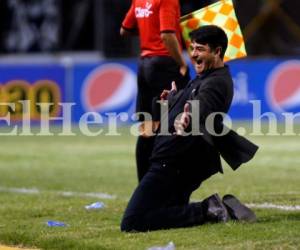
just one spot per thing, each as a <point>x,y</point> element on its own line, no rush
<point>274,85</point>
<point>271,85</point>
<point>104,88</point>
<point>35,83</point>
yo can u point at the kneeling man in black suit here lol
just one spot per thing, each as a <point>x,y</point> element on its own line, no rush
<point>182,157</point>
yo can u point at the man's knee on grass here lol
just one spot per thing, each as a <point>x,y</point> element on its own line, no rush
<point>132,224</point>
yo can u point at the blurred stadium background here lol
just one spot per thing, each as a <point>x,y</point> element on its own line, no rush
<point>70,51</point>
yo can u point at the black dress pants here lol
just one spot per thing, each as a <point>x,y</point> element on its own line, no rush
<point>161,201</point>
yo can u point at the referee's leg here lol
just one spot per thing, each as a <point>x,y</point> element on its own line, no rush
<point>145,95</point>
<point>143,152</point>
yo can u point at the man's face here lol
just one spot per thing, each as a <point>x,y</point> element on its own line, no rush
<point>203,56</point>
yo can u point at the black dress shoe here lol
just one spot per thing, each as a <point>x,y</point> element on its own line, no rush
<point>215,211</point>
<point>237,210</point>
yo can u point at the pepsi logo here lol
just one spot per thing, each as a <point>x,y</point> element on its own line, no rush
<point>283,87</point>
<point>109,88</point>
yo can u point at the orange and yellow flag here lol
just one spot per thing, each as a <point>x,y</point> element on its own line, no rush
<point>223,15</point>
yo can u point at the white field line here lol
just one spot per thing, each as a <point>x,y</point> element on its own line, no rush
<point>274,206</point>
<point>289,193</point>
<point>112,197</point>
<point>92,195</point>
<point>61,193</point>
<point>20,190</point>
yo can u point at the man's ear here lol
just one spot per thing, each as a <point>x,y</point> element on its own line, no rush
<point>218,51</point>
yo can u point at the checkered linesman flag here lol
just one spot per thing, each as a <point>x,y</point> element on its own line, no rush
<point>223,15</point>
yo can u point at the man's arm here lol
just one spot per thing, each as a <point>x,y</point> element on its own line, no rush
<point>129,24</point>
<point>127,32</point>
<point>169,24</point>
<point>170,41</point>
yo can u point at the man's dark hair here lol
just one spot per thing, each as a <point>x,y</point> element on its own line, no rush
<point>212,35</point>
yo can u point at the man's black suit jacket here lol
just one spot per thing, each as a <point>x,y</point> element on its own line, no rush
<point>197,153</point>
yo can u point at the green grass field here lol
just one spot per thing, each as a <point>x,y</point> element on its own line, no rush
<point>106,165</point>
